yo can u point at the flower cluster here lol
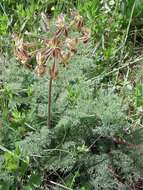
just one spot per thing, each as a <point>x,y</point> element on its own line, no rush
<point>59,48</point>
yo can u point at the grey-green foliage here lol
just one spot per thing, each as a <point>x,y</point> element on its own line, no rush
<point>111,166</point>
<point>85,130</point>
<point>107,173</point>
<point>109,109</point>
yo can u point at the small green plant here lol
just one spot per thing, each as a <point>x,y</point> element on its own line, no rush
<point>60,47</point>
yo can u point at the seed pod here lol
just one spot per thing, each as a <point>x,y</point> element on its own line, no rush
<point>53,72</point>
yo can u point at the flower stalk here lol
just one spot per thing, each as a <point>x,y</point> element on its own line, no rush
<point>53,73</point>
<point>49,102</point>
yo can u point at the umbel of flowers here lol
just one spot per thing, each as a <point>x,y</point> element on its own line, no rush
<point>59,48</point>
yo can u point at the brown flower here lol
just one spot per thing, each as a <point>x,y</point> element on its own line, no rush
<point>72,44</point>
<point>78,20</point>
<point>22,55</point>
<point>65,58</point>
<point>61,25</point>
<point>54,48</point>
<point>86,34</point>
<point>20,51</point>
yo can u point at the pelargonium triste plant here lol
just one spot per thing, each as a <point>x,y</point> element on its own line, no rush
<point>59,48</point>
